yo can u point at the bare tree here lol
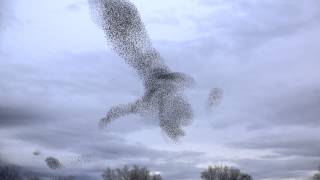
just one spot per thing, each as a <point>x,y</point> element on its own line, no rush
<point>244,177</point>
<point>110,174</point>
<point>125,173</point>
<point>33,178</point>
<point>9,173</point>
<point>63,178</point>
<point>224,173</point>
<point>139,173</point>
<point>156,177</point>
<point>316,176</point>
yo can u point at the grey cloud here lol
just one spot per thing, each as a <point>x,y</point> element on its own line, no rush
<point>294,107</point>
<point>3,6</point>
<point>76,6</point>
<point>106,146</point>
<point>279,169</point>
<point>49,92</point>
<point>285,144</point>
<point>79,75</point>
<point>18,115</point>
<point>248,24</point>
<point>163,20</point>
<point>116,151</point>
<point>7,15</point>
<point>298,108</point>
<point>292,152</point>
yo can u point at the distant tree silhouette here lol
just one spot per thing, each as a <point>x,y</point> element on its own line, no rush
<point>244,177</point>
<point>224,173</point>
<point>9,173</point>
<point>125,173</point>
<point>62,178</point>
<point>316,176</point>
<point>156,177</point>
<point>110,174</point>
<point>33,178</point>
<point>139,173</point>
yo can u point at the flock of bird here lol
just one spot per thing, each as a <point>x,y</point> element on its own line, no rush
<point>163,88</point>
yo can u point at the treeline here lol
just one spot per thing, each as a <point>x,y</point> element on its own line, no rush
<point>224,173</point>
<point>316,176</point>
<point>211,173</point>
<point>11,172</point>
<point>133,173</point>
<point>126,173</point>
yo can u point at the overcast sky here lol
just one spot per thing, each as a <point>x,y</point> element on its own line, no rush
<point>58,77</point>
